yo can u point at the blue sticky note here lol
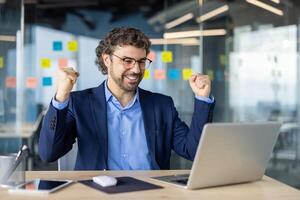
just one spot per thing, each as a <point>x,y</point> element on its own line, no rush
<point>174,74</point>
<point>57,46</point>
<point>47,81</point>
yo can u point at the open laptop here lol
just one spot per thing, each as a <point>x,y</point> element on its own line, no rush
<point>229,153</point>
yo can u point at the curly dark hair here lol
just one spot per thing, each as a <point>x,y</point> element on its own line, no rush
<point>119,37</point>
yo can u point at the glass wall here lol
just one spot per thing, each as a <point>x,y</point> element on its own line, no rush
<point>11,48</point>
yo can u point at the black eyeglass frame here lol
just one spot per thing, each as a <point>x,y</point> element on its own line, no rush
<point>129,66</point>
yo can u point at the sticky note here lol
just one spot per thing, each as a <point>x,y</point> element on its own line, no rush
<point>167,56</point>
<point>222,59</point>
<point>72,45</point>
<point>10,82</point>
<point>31,82</point>
<point>186,73</point>
<point>174,74</point>
<point>159,74</point>
<point>147,74</point>
<point>62,62</point>
<point>47,81</point>
<point>151,56</point>
<point>45,63</point>
<point>1,62</point>
<point>57,46</point>
<point>210,73</point>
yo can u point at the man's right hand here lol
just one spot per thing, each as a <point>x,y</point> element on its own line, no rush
<point>66,78</point>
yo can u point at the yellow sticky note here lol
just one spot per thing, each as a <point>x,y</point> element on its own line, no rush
<point>167,56</point>
<point>222,59</point>
<point>1,62</point>
<point>210,73</point>
<point>186,73</point>
<point>72,46</point>
<point>45,63</point>
<point>147,74</point>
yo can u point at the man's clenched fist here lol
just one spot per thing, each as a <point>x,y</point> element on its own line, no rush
<point>66,78</point>
<point>200,84</point>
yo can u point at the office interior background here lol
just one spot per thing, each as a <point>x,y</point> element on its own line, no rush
<point>249,48</point>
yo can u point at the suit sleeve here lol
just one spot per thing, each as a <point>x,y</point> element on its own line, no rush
<point>58,133</point>
<point>186,139</point>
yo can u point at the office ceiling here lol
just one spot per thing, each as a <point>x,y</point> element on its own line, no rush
<point>54,12</point>
<point>42,11</point>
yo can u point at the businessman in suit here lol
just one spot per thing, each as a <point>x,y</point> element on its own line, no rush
<point>118,125</point>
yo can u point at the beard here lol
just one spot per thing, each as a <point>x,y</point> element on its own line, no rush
<point>127,81</point>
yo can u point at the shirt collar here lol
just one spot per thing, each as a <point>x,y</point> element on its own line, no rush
<point>109,95</point>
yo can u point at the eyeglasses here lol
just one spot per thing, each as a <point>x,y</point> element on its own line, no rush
<point>129,63</point>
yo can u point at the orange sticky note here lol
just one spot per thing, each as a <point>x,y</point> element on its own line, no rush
<point>147,74</point>
<point>62,62</point>
<point>167,56</point>
<point>72,45</point>
<point>45,63</point>
<point>211,74</point>
<point>159,74</point>
<point>1,62</point>
<point>10,82</point>
<point>151,56</point>
<point>31,82</point>
<point>186,73</point>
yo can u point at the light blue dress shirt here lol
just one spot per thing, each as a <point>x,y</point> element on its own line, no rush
<point>127,143</point>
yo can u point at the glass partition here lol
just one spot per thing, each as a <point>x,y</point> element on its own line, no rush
<point>11,67</point>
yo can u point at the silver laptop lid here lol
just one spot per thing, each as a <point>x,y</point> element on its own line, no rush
<point>231,153</point>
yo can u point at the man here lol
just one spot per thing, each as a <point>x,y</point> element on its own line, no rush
<point>118,125</point>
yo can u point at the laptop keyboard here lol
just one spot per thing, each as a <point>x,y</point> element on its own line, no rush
<point>180,181</point>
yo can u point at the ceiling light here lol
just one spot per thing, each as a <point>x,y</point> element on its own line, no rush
<point>276,1</point>
<point>179,20</point>
<point>182,41</point>
<point>8,38</point>
<point>212,13</point>
<point>266,7</point>
<point>195,33</point>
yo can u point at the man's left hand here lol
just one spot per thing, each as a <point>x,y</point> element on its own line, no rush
<point>200,84</point>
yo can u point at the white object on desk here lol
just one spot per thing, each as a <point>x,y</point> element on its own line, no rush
<point>105,181</point>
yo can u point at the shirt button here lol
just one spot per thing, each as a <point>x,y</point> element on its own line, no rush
<point>124,155</point>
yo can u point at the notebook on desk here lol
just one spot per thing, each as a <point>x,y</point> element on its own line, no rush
<point>229,153</point>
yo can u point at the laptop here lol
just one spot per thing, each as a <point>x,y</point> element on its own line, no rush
<point>229,153</point>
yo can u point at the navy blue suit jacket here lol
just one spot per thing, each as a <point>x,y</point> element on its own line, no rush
<point>85,119</point>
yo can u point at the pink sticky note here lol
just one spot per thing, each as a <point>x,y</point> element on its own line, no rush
<point>31,82</point>
<point>10,82</point>
<point>159,74</point>
<point>62,62</point>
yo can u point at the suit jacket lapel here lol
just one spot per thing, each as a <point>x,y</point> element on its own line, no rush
<point>147,107</point>
<point>99,113</point>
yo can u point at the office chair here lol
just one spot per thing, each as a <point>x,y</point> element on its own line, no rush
<point>67,162</point>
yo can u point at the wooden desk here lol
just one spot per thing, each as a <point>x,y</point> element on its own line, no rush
<point>265,189</point>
